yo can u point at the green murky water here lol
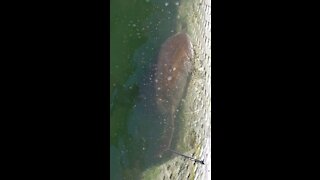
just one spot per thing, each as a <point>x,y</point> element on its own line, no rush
<point>138,28</point>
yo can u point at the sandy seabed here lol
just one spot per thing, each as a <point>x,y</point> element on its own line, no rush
<point>195,130</point>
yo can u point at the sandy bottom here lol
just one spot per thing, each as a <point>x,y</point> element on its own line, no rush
<point>195,128</point>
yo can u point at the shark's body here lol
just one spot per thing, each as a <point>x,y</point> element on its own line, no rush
<point>171,78</point>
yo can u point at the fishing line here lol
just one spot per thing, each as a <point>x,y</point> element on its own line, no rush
<point>191,158</point>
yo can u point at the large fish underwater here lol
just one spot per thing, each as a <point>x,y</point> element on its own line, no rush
<point>173,69</point>
<point>161,98</point>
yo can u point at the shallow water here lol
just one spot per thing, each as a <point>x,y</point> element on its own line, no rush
<point>138,28</point>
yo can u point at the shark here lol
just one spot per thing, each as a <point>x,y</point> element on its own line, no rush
<point>173,69</point>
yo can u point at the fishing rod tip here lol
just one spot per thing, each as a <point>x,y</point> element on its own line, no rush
<point>202,162</point>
